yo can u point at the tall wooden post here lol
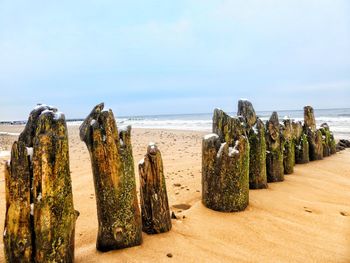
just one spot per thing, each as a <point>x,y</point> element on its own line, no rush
<point>274,156</point>
<point>40,217</point>
<point>18,234</point>
<point>329,145</point>
<point>256,135</point>
<point>114,178</point>
<point>314,136</point>
<point>289,146</point>
<point>301,143</point>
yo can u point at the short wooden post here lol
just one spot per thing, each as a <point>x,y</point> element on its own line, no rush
<point>154,199</point>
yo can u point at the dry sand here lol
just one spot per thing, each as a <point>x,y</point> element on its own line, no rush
<point>306,218</point>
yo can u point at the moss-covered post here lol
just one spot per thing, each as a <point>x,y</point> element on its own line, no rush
<point>54,214</point>
<point>225,165</point>
<point>40,217</point>
<point>274,153</point>
<point>18,232</point>
<point>114,179</point>
<point>154,199</point>
<point>314,136</point>
<point>289,146</point>
<point>301,143</point>
<point>256,135</point>
<point>329,145</point>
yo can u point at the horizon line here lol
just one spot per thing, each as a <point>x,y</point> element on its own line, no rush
<point>174,114</point>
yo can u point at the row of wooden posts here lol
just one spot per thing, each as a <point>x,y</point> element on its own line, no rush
<point>40,216</point>
<point>243,152</point>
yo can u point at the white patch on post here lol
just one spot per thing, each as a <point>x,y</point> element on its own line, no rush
<point>152,145</point>
<point>211,135</point>
<point>233,150</point>
<point>39,197</point>
<point>30,153</point>
<point>218,155</point>
<point>32,209</point>
<point>142,161</point>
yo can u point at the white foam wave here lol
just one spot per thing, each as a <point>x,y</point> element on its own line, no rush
<point>10,133</point>
<point>5,154</point>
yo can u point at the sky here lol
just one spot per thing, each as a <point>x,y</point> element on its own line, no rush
<point>165,57</point>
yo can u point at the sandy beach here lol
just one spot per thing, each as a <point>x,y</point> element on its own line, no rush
<point>306,218</point>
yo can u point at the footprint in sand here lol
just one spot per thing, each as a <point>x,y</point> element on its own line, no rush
<point>307,209</point>
<point>182,206</point>
<point>344,213</point>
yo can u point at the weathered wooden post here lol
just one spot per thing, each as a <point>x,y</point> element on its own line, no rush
<point>154,199</point>
<point>18,232</point>
<point>274,155</point>
<point>114,178</point>
<point>314,136</point>
<point>225,165</point>
<point>289,146</point>
<point>40,217</point>
<point>301,143</point>
<point>256,135</point>
<point>54,214</point>
<point>328,141</point>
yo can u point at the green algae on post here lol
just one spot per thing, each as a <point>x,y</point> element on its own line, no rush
<point>52,191</point>
<point>114,179</point>
<point>314,136</point>
<point>225,165</point>
<point>289,147</point>
<point>18,233</point>
<point>301,143</point>
<point>274,153</point>
<point>256,135</point>
<point>328,141</point>
<point>39,188</point>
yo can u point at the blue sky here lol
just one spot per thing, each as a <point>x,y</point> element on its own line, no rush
<point>160,57</point>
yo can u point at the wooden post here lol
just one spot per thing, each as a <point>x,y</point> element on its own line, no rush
<point>289,146</point>
<point>246,109</point>
<point>54,214</point>
<point>225,165</point>
<point>329,145</point>
<point>301,143</point>
<point>314,136</point>
<point>114,178</point>
<point>256,135</point>
<point>40,217</point>
<point>18,233</point>
<point>154,199</point>
<point>274,156</point>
